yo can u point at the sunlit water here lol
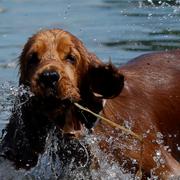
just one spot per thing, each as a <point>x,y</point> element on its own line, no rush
<point>114,29</point>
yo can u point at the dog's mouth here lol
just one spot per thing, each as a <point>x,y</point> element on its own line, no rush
<point>62,112</point>
<point>69,121</point>
<point>64,115</point>
<point>50,92</point>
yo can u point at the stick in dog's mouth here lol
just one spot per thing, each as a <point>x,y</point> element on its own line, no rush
<point>73,126</point>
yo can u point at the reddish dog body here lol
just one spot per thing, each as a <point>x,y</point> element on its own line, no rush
<point>59,70</point>
<point>150,101</point>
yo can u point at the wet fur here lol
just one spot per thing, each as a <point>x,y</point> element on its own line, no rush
<point>33,117</point>
<point>150,102</point>
<point>144,92</point>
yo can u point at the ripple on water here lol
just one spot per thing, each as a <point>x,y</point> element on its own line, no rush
<point>145,45</point>
<point>8,65</point>
<point>3,10</point>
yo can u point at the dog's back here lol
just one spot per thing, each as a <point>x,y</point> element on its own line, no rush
<point>150,102</point>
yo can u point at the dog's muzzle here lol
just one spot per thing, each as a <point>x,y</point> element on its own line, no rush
<point>49,79</point>
<point>48,82</point>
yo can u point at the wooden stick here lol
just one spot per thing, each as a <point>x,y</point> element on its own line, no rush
<point>113,124</point>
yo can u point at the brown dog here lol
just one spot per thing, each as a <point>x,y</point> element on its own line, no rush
<point>150,102</point>
<point>59,71</point>
<point>56,67</point>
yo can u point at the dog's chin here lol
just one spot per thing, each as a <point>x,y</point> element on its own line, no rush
<point>65,116</point>
<point>75,129</point>
<point>62,112</point>
<point>68,121</point>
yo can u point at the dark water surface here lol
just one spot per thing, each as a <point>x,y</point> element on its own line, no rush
<point>120,29</point>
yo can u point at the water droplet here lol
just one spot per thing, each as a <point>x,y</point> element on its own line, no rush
<point>150,15</point>
<point>159,139</point>
<point>27,165</point>
<point>166,148</point>
<point>158,158</point>
<point>128,124</point>
<point>169,150</point>
<point>158,153</point>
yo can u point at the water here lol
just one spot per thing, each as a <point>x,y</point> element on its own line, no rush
<point>120,29</point>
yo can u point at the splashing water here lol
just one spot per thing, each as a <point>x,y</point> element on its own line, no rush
<point>159,138</point>
<point>60,159</point>
<point>50,165</point>
<point>158,158</point>
<point>107,169</point>
<point>162,2</point>
<point>8,93</point>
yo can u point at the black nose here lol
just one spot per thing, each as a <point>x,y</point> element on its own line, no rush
<point>49,78</point>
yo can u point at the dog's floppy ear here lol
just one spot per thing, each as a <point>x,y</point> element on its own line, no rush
<point>23,60</point>
<point>105,79</point>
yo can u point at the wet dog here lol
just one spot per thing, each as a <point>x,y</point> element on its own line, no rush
<point>148,104</point>
<point>57,68</point>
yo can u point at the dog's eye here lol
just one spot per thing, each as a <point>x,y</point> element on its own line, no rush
<point>33,59</point>
<point>70,58</point>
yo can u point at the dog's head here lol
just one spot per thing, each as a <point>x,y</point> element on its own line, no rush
<point>56,65</point>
